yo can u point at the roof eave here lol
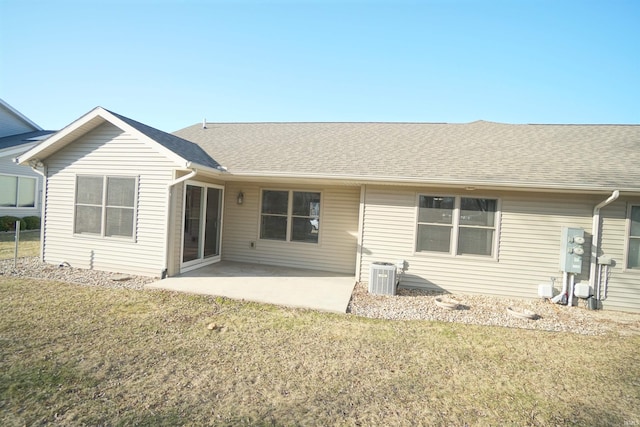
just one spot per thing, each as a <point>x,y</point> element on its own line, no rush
<point>206,170</point>
<point>422,182</point>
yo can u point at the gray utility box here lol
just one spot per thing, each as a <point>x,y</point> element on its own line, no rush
<point>382,278</point>
<point>572,249</point>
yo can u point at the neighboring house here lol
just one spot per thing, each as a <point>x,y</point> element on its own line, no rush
<point>472,208</point>
<point>20,187</point>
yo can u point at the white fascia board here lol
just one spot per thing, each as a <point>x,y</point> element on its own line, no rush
<point>98,115</point>
<point>58,139</point>
<point>416,181</point>
<point>19,115</point>
<point>17,149</point>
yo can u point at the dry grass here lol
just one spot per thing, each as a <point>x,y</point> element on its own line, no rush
<point>74,355</point>
<point>29,245</point>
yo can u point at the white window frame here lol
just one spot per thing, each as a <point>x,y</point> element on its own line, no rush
<point>104,206</point>
<point>628,237</point>
<point>290,216</point>
<point>35,191</point>
<point>455,225</point>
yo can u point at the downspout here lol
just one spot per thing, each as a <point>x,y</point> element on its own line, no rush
<point>595,233</point>
<point>43,174</point>
<point>167,218</point>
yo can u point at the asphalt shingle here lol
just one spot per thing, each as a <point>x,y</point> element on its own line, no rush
<point>185,149</point>
<point>23,138</point>
<point>572,156</point>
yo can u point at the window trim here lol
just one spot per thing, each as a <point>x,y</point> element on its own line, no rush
<point>628,237</point>
<point>104,206</point>
<point>290,216</point>
<point>455,225</point>
<point>35,191</point>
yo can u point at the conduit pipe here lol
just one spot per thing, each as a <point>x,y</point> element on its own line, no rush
<point>561,298</point>
<point>603,279</point>
<point>572,282</point>
<point>595,239</point>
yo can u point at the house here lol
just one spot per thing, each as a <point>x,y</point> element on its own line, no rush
<point>21,187</point>
<point>472,208</point>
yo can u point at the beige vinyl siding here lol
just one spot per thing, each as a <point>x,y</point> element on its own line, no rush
<point>336,251</point>
<point>175,229</point>
<point>528,252</point>
<point>624,284</point>
<point>107,150</point>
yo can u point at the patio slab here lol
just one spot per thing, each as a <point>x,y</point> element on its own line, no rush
<point>318,290</point>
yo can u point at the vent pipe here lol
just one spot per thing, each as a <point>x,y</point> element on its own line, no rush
<point>204,123</point>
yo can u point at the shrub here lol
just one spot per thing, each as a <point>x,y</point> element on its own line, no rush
<point>8,223</point>
<point>31,222</point>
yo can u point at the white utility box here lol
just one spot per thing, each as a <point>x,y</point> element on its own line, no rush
<point>545,290</point>
<point>582,290</point>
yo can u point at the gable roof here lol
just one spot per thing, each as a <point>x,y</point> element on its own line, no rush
<point>592,158</point>
<point>575,157</point>
<point>14,121</point>
<point>183,152</point>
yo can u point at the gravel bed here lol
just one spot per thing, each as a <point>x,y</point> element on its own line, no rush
<point>33,268</point>
<point>413,304</point>
<point>408,304</point>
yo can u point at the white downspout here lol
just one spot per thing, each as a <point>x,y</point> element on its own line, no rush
<point>167,218</point>
<point>43,174</point>
<point>595,233</point>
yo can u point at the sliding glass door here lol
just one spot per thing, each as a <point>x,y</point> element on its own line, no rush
<point>202,225</point>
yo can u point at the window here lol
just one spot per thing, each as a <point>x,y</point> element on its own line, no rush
<point>105,205</point>
<point>291,216</point>
<point>633,253</point>
<point>17,191</point>
<point>456,225</point>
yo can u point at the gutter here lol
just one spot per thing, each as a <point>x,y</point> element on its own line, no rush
<point>595,239</point>
<point>165,262</point>
<point>421,181</point>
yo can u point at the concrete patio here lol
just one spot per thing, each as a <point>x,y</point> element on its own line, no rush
<point>318,290</point>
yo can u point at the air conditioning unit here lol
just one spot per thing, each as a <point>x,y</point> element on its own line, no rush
<point>383,278</point>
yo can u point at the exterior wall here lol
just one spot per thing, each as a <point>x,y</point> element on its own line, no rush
<point>107,150</point>
<point>624,284</point>
<point>175,229</point>
<point>12,125</point>
<point>336,251</point>
<point>529,245</point>
<point>8,167</point>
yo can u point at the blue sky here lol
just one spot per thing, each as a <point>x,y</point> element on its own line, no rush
<point>170,64</point>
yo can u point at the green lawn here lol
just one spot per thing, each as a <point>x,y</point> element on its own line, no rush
<point>29,244</point>
<point>74,355</point>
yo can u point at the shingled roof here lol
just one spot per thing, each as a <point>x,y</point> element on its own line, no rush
<point>186,149</point>
<point>588,157</point>
<point>24,138</point>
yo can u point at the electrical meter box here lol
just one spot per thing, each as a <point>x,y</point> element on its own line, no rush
<point>572,249</point>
